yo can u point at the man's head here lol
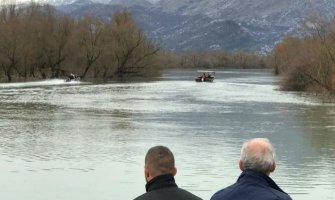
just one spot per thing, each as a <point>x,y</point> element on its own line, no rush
<point>158,161</point>
<point>258,154</point>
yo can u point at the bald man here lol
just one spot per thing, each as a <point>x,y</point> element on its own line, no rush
<point>257,162</point>
<point>159,172</point>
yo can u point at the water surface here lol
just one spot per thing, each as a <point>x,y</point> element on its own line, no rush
<point>88,141</point>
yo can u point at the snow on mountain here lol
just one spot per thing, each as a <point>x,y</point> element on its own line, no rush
<point>254,12</point>
<point>267,20</point>
<point>242,9</point>
<point>113,2</point>
<point>184,25</point>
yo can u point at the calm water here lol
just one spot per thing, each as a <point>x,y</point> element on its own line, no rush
<point>87,141</point>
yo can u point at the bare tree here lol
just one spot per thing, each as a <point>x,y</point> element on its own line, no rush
<point>91,36</point>
<point>134,50</point>
<point>37,43</point>
<point>9,36</point>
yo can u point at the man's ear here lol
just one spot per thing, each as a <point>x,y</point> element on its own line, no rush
<point>174,172</point>
<point>240,164</point>
<point>146,172</point>
<point>273,167</point>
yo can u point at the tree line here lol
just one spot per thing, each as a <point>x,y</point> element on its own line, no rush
<point>307,64</point>
<point>36,42</point>
<point>215,59</point>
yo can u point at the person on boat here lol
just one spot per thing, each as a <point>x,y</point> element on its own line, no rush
<point>257,162</point>
<point>159,172</point>
<point>71,76</point>
<point>203,77</point>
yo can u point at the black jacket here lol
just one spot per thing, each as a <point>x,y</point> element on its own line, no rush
<point>163,187</point>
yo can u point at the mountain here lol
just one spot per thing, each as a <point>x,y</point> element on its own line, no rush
<point>202,25</point>
<point>174,31</point>
<point>112,2</point>
<point>266,20</point>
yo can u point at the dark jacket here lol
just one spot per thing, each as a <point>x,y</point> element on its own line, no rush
<point>164,188</point>
<point>252,185</point>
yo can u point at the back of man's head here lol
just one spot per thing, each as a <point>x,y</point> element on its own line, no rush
<point>258,154</point>
<point>160,160</point>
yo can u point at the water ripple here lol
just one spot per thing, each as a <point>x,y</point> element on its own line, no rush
<point>97,134</point>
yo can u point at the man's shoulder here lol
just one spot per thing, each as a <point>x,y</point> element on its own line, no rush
<point>223,193</point>
<point>188,194</point>
<point>281,195</point>
<point>237,192</point>
<point>167,194</point>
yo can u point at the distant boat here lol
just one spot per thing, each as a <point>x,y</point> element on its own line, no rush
<point>205,76</point>
<point>72,77</point>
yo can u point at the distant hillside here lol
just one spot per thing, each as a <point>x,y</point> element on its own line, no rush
<point>176,32</point>
<point>202,25</point>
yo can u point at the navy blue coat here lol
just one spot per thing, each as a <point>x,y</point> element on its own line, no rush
<point>163,187</point>
<point>252,185</point>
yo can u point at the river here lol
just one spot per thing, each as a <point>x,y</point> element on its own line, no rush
<point>61,141</point>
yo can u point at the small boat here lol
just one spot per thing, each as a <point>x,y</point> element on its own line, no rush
<point>205,76</point>
<point>72,77</point>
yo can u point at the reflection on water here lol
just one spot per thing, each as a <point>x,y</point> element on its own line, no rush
<point>87,141</point>
<point>321,122</point>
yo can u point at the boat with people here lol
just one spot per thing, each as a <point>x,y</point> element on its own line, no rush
<point>205,76</point>
<point>72,77</point>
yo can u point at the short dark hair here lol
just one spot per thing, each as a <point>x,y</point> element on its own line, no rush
<point>160,160</point>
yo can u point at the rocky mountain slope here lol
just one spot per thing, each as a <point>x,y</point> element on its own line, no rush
<point>202,25</point>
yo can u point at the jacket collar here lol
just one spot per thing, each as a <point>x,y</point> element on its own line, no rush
<point>261,178</point>
<point>161,181</point>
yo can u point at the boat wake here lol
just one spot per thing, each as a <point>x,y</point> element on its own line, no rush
<point>49,82</point>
